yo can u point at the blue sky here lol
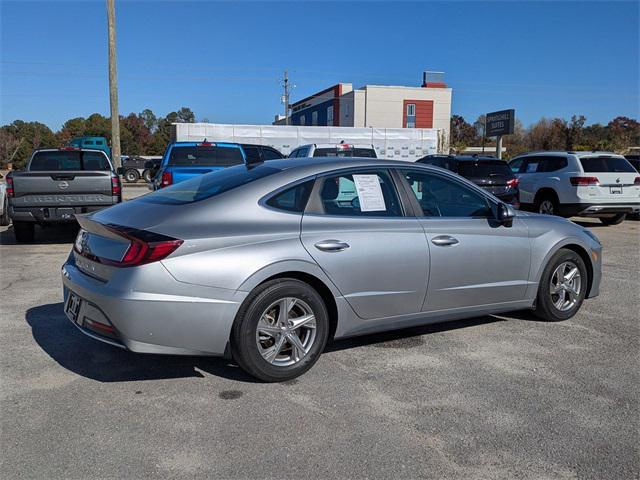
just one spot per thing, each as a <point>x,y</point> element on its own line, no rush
<point>225,59</point>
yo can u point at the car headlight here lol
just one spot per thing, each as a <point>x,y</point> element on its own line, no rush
<point>593,236</point>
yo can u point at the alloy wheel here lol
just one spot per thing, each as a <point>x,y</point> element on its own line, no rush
<point>286,331</point>
<point>565,286</point>
<point>546,207</point>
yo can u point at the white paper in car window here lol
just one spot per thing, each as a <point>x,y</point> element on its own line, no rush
<point>532,167</point>
<point>369,193</point>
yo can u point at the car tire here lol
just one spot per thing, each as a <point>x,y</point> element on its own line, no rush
<point>615,220</point>
<point>260,344</point>
<point>24,232</point>
<point>4,218</point>
<point>546,204</point>
<point>131,176</point>
<point>557,299</point>
<point>146,176</point>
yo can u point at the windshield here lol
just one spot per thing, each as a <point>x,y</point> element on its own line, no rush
<point>208,185</point>
<point>484,169</point>
<point>69,160</point>
<point>606,164</point>
<point>203,156</point>
<point>347,152</point>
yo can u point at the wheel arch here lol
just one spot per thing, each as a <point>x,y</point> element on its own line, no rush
<point>578,248</point>
<point>546,192</point>
<point>305,272</point>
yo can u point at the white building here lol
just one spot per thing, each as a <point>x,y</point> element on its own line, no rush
<point>378,106</point>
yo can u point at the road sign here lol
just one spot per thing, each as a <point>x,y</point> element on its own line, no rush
<point>500,123</point>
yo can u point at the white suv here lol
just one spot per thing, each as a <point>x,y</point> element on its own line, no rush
<point>333,150</point>
<point>585,184</point>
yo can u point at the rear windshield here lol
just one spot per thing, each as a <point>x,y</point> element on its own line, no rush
<point>484,169</point>
<point>606,164</point>
<point>68,160</point>
<point>208,185</point>
<point>205,156</point>
<point>349,152</point>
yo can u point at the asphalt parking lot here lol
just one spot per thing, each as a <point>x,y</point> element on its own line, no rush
<point>491,397</point>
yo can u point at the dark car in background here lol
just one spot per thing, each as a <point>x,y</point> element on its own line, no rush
<point>260,153</point>
<point>490,173</point>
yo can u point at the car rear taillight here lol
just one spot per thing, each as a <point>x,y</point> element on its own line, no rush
<point>583,181</point>
<point>144,247</point>
<point>636,181</point>
<point>513,183</point>
<point>116,188</point>
<point>167,179</point>
<point>9,188</point>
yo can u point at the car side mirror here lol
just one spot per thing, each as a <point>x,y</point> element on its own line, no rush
<point>506,214</point>
<point>120,171</point>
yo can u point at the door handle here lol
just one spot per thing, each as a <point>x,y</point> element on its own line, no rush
<point>331,245</point>
<point>444,241</point>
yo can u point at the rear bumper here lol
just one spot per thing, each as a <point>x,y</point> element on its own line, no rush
<point>50,214</point>
<point>182,320</point>
<point>598,209</point>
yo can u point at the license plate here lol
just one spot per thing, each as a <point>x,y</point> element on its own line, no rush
<point>617,190</point>
<point>73,307</point>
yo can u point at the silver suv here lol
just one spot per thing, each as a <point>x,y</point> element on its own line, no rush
<point>586,184</point>
<point>333,150</point>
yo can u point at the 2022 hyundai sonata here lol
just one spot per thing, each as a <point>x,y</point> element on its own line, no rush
<point>265,263</point>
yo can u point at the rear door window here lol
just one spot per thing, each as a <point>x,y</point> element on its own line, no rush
<point>251,153</point>
<point>606,164</point>
<point>553,164</point>
<point>270,154</point>
<point>203,156</point>
<point>362,193</point>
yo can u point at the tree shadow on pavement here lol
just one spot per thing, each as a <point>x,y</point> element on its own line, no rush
<point>93,359</point>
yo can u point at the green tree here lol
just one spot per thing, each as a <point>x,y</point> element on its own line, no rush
<point>149,119</point>
<point>30,135</point>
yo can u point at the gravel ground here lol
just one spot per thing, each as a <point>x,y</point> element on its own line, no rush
<point>492,397</point>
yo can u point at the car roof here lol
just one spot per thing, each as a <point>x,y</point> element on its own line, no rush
<point>194,144</point>
<point>564,153</point>
<point>70,149</point>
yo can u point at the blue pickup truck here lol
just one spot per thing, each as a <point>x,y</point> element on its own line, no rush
<point>184,160</point>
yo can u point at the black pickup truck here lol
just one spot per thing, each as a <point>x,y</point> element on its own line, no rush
<point>57,185</point>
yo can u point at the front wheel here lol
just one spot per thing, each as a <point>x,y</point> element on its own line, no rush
<point>615,220</point>
<point>280,330</point>
<point>562,287</point>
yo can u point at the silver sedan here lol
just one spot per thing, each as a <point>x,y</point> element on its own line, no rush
<point>265,264</point>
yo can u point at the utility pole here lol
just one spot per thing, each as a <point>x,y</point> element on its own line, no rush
<point>285,97</point>
<point>113,85</point>
<point>499,147</point>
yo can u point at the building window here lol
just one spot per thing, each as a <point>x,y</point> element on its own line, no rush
<point>411,115</point>
<point>330,116</point>
<point>314,118</point>
<point>302,120</point>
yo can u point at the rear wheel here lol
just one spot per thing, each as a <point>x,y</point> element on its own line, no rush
<point>546,205</point>
<point>280,330</point>
<point>146,176</point>
<point>24,232</point>
<point>562,287</point>
<point>615,220</point>
<point>131,176</point>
